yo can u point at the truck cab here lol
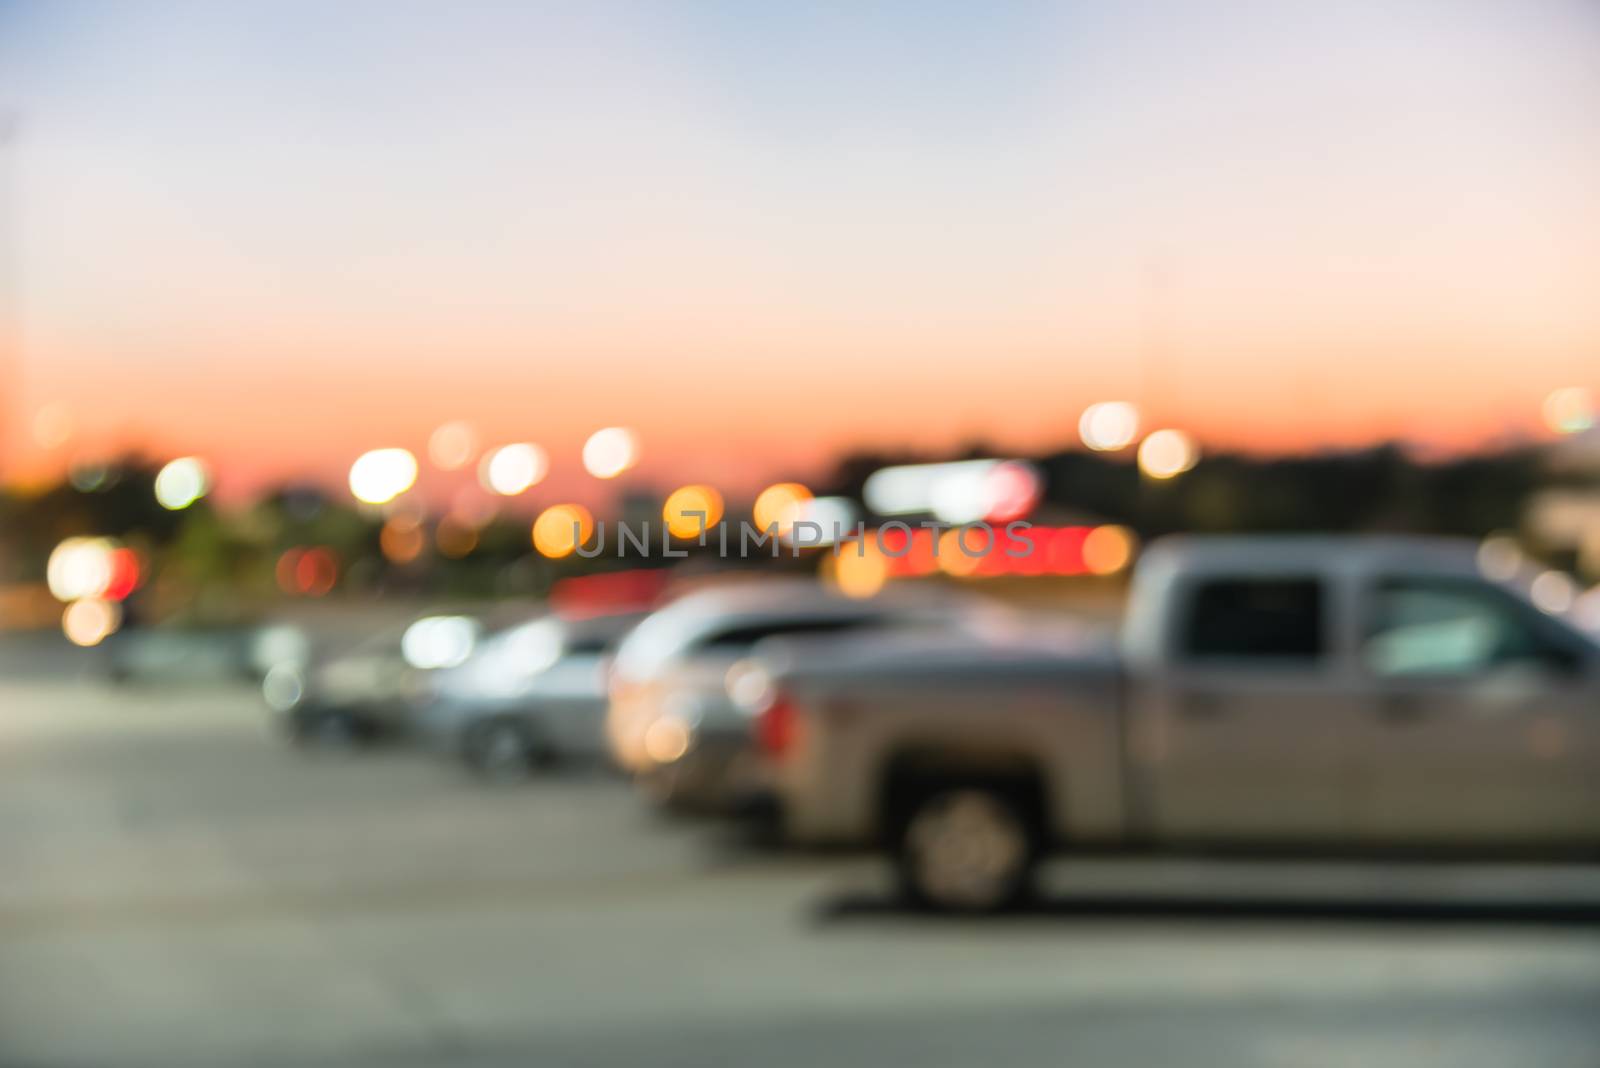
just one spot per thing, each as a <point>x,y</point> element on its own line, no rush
<point>1357,691</point>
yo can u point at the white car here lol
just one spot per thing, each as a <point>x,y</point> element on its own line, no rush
<point>675,722</point>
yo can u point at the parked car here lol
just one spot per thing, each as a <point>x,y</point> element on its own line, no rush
<point>530,694</point>
<point>1280,693</point>
<point>672,721</point>
<point>370,691</point>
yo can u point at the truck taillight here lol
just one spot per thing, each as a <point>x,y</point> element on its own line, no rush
<point>776,725</point>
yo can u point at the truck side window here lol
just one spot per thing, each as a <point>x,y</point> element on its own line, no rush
<point>1253,618</point>
<point>1447,626</point>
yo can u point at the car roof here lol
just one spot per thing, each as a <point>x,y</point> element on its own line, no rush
<point>775,597</point>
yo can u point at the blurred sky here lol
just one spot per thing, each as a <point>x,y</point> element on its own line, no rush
<point>279,233</point>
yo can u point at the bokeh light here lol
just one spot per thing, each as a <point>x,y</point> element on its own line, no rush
<point>126,573</point>
<point>1011,489</point>
<point>667,739</point>
<point>1499,557</point>
<point>182,482</point>
<point>452,445</point>
<point>860,570</point>
<point>1553,592</point>
<point>439,642</point>
<point>80,568</point>
<point>1586,610</point>
<point>561,529</point>
<point>1109,425</point>
<point>1108,549</point>
<point>513,469</point>
<point>470,507</point>
<point>691,510</point>
<point>93,476</point>
<point>307,571</point>
<point>779,506</point>
<point>402,539</point>
<point>1167,454</point>
<point>837,516</point>
<point>90,621</point>
<point>52,426</point>
<point>454,539</point>
<point>960,552</point>
<point>1569,410</point>
<point>381,475</point>
<point>610,452</point>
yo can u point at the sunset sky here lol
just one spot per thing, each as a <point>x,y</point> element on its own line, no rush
<point>275,234</point>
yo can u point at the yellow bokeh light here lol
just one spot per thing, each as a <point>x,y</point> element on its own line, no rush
<point>402,539</point>
<point>860,570</point>
<point>1108,549</point>
<point>561,529</point>
<point>1167,454</point>
<point>691,510</point>
<point>454,538</point>
<point>779,505</point>
<point>953,560</point>
<point>667,739</point>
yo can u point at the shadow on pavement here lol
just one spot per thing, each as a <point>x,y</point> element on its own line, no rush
<point>1241,910</point>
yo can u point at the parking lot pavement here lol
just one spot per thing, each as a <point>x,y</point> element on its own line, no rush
<point>180,888</point>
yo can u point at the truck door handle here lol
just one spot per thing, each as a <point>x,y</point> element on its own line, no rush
<point>1202,706</point>
<point>1401,709</point>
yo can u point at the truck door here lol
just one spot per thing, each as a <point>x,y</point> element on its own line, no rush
<point>1241,734</point>
<point>1483,721</point>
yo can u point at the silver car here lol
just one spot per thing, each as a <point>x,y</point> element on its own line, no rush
<point>530,694</point>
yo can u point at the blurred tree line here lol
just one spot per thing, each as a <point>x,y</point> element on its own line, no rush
<point>1379,489</point>
<point>223,563</point>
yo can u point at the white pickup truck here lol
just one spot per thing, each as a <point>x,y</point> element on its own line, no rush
<point>1310,693</point>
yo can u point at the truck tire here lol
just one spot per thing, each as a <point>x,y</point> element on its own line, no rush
<point>968,848</point>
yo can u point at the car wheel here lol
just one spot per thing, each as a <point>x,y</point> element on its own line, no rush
<point>326,730</point>
<point>501,749</point>
<point>967,849</point>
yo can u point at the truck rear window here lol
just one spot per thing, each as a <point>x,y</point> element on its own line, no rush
<point>1254,617</point>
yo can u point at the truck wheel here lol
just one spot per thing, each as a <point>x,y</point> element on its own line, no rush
<point>967,849</point>
<point>501,749</point>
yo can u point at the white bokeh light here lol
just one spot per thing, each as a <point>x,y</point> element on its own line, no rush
<point>1109,425</point>
<point>610,452</point>
<point>381,475</point>
<point>512,469</point>
<point>181,483</point>
<point>1167,454</point>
